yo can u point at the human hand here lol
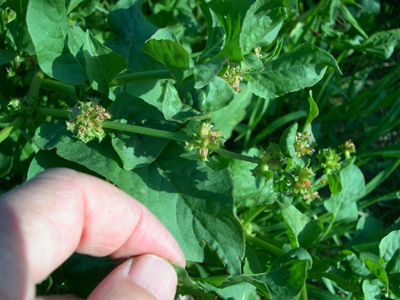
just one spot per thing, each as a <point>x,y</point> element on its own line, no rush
<point>61,211</point>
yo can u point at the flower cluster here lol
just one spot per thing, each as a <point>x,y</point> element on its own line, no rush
<point>87,120</point>
<point>290,175</point>
<point>257,52</point>
<point>348,147</point>
<point>329,160</point>
<point>301,184</point>
<point>270,161</point>
<point>302,144</point>
<point>234,76</point>
<point>205,140</point>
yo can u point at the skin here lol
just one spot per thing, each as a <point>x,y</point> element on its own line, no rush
<point>62,211</point>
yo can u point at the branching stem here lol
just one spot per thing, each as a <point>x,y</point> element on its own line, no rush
<point>110,125</point>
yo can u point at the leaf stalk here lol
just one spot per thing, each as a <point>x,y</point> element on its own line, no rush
<point>7,131</point>
<point>140,76</point>
<point>265,245</point>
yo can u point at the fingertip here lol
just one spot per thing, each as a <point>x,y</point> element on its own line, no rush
<point>146,277</point>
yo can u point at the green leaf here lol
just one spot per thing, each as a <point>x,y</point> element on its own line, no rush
<point>313,111</point>
<point>129,30</point>
<point>335,185</point>
<point>301,67</point>
<point>83,272</point>
<point>231,15</point>
<point>137,150</point>
<point>205,72</point>
<point>246,186</point>
<point>216,95</point>
<point>389,252</point>
<point>231,115</point>
<point>194,202</point>
<point>6,157</point>
<point>188,286</point>
<point>349,17</point>
<point>284,281</point>
<point>381,43</point>
<point>215,33</point>
<point>18,29</point>
<point>302,230</point>
<point>287,141</point>
<point>372,288</point>
<point>47,159</point>
<point>102,64</point>
<point>72,4</point>
<point>174,109</point>
<point>263,17</point>
<point>164,47</point>
<point>343,205</point>
<point>6,56</point>
<point>379,272</point>
<point>58,44</point>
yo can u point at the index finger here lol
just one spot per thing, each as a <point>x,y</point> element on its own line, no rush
<point>62,211</point>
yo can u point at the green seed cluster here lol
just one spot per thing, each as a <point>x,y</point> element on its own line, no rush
<point>329,160</point>
<point>348,147</point>
<point>87,120</point>
<point>293,181</point>
<point>302,144</point>
<point>234,76</point>
<point>205,140</point>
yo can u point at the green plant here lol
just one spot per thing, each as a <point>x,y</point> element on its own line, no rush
<point>173,102</point>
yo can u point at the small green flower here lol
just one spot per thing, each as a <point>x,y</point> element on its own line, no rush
<point>205,140</point>
<point>348,147</point>
<point>301,185</point>
<point>270,161</point>
<point>302,144</point>
<point>234,76</point>
<point>87,120</point>
<point>257,52</point>
<point>329,160</point>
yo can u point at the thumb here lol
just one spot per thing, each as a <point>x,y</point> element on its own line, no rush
<point>147,277</point>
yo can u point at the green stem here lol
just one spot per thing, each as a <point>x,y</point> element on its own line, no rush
<point>53,85</point>
<point>59,87</point>
<point>7,119</point>
<point>265,245</point>
<point>255,213</point>
<point>147,131</point>
<point>54,112</point>
<point>7,131</point>
<point>35,84</point>
<point>348,286</point>
<point>304,295</point>
<point>60,113</point>
<point>235,155</point>
<point>141,76</point>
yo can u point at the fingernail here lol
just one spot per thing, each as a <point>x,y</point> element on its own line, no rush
<point>155,275</point>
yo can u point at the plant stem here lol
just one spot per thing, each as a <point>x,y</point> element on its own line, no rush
<point>304,295</point>
<point>235,155</point>
<point>7,131</point>
<point>54,112</point>
<point>35,85</point>
<point>267,246</point>
<point>53,85</point>
<point>59,87</point>
<point>348,286</point>
<point>147,131</point>
<point>60,113</point>
<point>253,216</point>
<point>141,76</point>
